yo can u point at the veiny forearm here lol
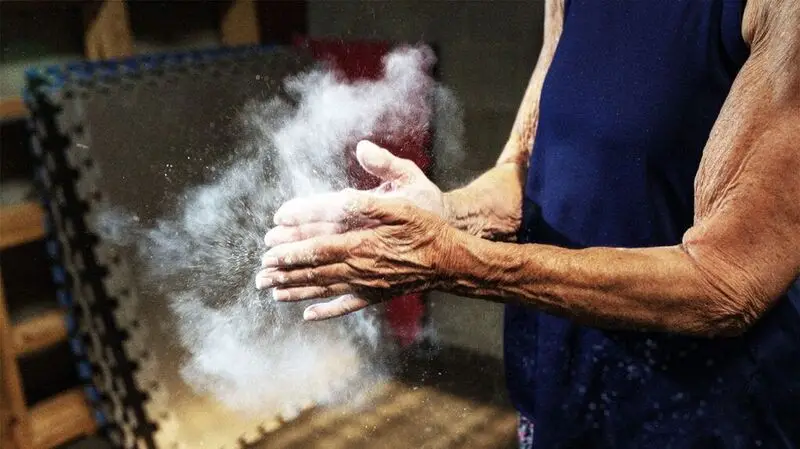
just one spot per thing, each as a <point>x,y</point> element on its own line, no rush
<point>656,289</point>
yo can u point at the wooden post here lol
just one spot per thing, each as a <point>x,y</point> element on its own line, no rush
<point>16,421</point>
<point>108,33</point>
<point>239,23</point>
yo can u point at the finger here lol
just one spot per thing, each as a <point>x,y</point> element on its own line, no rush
<point>336,307</point>
<point>312,252</point>
<point>304,293</point>
<point>287,234</point>
<point>389,210</point>
<point>303,277</point>
<point>329,207</point>
<point>383,164</point>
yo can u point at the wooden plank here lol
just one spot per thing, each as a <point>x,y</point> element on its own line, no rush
<point>239,24</point>
<point>12,109</point>
<point>15,417</point>
<point>21,223</point>
<point>39,332</point>
<point>60,419</point>
<point>108,33</point>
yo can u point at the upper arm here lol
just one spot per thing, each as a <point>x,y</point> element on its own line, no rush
<point>518,147</point>
<point>746,236</point>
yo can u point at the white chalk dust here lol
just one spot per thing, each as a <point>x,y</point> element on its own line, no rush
<point>238,347</point>
<point>241,348</point>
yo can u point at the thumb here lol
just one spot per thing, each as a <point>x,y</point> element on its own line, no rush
<point>380,162</point>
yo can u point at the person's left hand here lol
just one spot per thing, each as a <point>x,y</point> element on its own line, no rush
<point>404,253</point>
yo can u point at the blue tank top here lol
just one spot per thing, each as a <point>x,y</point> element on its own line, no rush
<point>626,109</point>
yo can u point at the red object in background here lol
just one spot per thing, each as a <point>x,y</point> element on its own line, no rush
<point>360,60</point>
<point>363,60</point>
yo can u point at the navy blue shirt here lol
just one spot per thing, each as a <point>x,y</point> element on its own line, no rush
<point>626,109</point>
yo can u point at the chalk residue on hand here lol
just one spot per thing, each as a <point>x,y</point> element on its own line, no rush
<point>244,348</point>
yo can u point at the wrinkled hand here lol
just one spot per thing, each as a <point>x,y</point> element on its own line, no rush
<point>403,253</point>
<point>329,214</point>
<point>336,213</point>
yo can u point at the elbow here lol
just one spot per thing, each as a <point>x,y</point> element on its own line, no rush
<point>729,298</point>
<point>725,308</point>
<point>729,318</point>
<point>729,314</point>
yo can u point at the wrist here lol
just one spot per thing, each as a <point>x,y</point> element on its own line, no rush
<point>454,257</point>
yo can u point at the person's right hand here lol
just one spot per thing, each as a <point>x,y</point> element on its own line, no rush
<point>327,214</point>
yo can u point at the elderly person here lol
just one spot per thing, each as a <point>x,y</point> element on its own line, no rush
<point>652,184</point>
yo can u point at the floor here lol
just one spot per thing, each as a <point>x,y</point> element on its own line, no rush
<point>453,399</point>
<point>440,400</point>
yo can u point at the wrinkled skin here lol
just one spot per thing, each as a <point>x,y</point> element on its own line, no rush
<point>408,242</point>
<point>740,255</point>
<point>407,238</point>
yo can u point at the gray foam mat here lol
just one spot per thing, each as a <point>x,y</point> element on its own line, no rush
<point>135,134</point>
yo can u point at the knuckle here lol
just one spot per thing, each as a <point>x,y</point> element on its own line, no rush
<point>351,304</point>
<point>345,308</point>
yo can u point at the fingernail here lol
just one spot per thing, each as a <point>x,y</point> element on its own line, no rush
<point>309,314</point>
<point>268,261</point>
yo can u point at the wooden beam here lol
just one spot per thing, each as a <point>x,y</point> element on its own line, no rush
<point>12,109</point>
<point>21,223</point>
<point>108,33</point>
<point>39,332</point>
<point>15,417</point>
<point>60,419</point>
<point>239,24</point>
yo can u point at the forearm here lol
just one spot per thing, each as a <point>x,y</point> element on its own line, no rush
<point>657,289</point>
